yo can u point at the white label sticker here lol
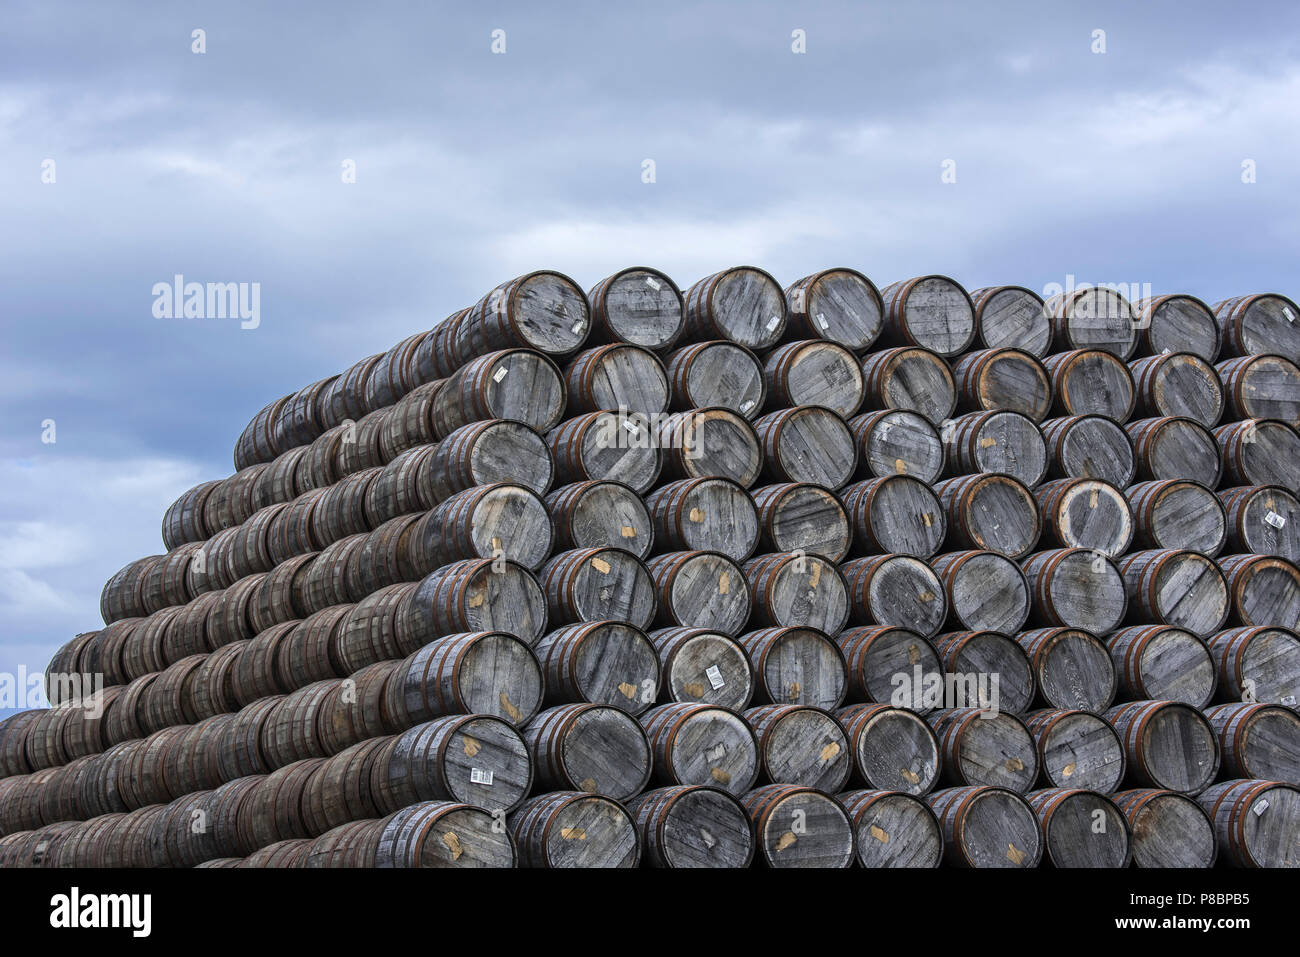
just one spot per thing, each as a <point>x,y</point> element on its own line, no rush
<point>653,283</point>
<point>717,751</point>
<point>480,776</point>
<point>798,300</point>
<point>773,322</point>
<point>577,327</point>
<point>746,405</point>
<point>1260,808</point>
<point>630,426</point>
<point>499,374</point>
<point>1290,316</point>
<point>821,320</point>
<point>715,677</point>
<point>1274,519</point>
<point>1289,700</point>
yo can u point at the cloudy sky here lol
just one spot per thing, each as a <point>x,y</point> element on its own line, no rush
<point>474,166</point>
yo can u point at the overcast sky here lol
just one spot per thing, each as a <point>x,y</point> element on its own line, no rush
<point>473,167</point>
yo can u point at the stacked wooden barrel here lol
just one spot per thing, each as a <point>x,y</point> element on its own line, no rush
<point>730,576</point>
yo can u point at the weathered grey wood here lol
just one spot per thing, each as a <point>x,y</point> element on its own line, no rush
<point>1172,587</point>
<point>1178,384</point>
<point>807,444</point>
<point>1011,317</point>
<point>702,667</point>
<point>840,305</point>
<point>892,748</point>
<point>546,311</point>
<point>987,669</point>
<point>1081,828</point>
<point>592,748</point>
<point>598,513</point>
<point>796,666</point>
<point>1076,588</point>
<point>1263,589</point>
<point>1259,324</point>
<point>800,516</point>
<point>515,384</point>
<point>700,590</point>
<point>1003,379</point>
<point>896,590</point>
<point>479,595</point>
<point>472,673</point>
<point>616,376</point>
<point>484,453</point>
<point>1161,663</point>
<point>1089,446</point>
<point>444,834</point>
<point>987,827</point>
<point>897,442</point>
<point>894,829</point>
<point>1255,822</point>
<point>985,591</point>
<point>1091,382</point>
<point>702,744</point>
<point>710,442</point>
<point>1006,442</point>
<point>813,372</point>
<point>693,826</point>
<point>799,827</point>
<point>1168,829</point>
<point>1167,744</point>
<point>709,514</point>
<point>1072,668</point>
<point>1257,664</point>
<point>1077,749</point>
<point>598,584</point>
<point>1260,741</point>
<point>563,829</point>
<point>792,589</point>
<point>933,312</point>
<point>1261,387</point>
<point>410,423</point>
<point>985,747</point>
<point>639,305</point>
<point>488,520</point>
<point>896,514</point>
<point>801,745</point>
<point>717,373</point>
<point>990,511</point>
<point>1092,318</point>
<point>1085,513</point>
<point>743,304</point>
<point>890,666</point>
<point>1178,513</point>
<point>1176,323</point>
<point>603,662</point>
<point>1262,520</point>
<point>911,379</point>
<point>1259,452</point>
<point>1175,448</point>
<point>606,445</point>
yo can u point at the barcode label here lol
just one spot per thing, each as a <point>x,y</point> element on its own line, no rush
<point>714,676</point>
<point>1290,316</point>
<point>480,776</point>
<point>772,323</point>
<point>1260,808</point>
<point>499,374</point>
<point>653,283</point>
<point>821,320</point>
<point>1274,519</point>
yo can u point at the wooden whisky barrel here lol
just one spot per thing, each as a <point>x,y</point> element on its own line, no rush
<point>891,748</point>
<point>603,662</point>
<point>444,834</point>
<point>563,829</point>
<point>1178,513</point>
<point>1168,829</point>
<point>743,304</point>
<point>1011,317</point>
<point>591,748</point>
<point>800,827</point>
<point>798,744</point>
<point>484,453</point>
<point>606,445</point>
<point>692,826</point>
<point>516,384</point>
<point>796,666</point>
<point>637,305</point>
<point>990,511</point>
<point>598,584</point>
<point>1072,668</point>
<point>710,514</point>
<point>1161,663</point>
<point>1175,448</point>
<point>479,595</point>
<point>933,312</point>
<point>1260,741</point>
<point>1257,664</point>
<point>985,591</point>
<point>717,374</point>
<point>987,827</point>
<point>702,667</point>
<point>1259,324</point>
<point>1255,822</point>
<point>1081,828</point>
<point>1076,588</point>
<point>710,442</point>
<point>483,672</point>
<point>1089,446</point>
<point>1176,323</point>
<point>1091,382</point>
<point>1085,513</point>
<point>982,747</point>
<point>1077,749</point>
<point>1003,380</point>
<point>802,517</point>
<point>616,376</point>
<point>1260,452</point>
<point>700,590</point>
<point>910,379</point>
<point>791,589</point>
<point>485,521</point>
<point>1262,520</point>
<point>807,444</point>
<point>890,665</point>
<point>1180,588</point>
<point>1178,384</point>
<point>1263,590</point>
<point>1092,317</point>
<point>1167,744</point>
<point>814,372</point>
<point>597,513</point>
<point>895,590</point>
<point>896,514</point>
<point>699,744</point>
<point>897,442</point>
<point>1261,387</point>
<point>893,829</point>
<point>985,669</point>
<point>545,311</point>
<point>839,305</point>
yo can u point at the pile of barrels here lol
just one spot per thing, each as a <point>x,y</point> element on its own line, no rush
<point>826,576</point>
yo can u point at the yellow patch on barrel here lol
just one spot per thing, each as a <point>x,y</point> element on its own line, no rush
<point>628,689</point>
<point>913,654</point>
<point>696,515</point>
<point>830,751</point>
<point>453,845</point>
<point>787,839</point>
<point>472,747</point>
<point>719,775</point>
<point>573,833</point>
<point>588,785</point>
<point>1015,855</point>
<point>475,599</point>
<point>510,709</point>
<point>1015,764</point>
<point>1068,769</point>
<point>816,575</point>
<point>900,466</point>
<point>627,531</point>
<point>694,688</point>
<point>795,690</point>
<point>600,565</point>
<point>1092,499</point>
<point>926,595</point>
<point>910,776</point>
<point>925,517</point>
<point>988,442</point>
<point>880,834</point>
<point>724,583</point>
